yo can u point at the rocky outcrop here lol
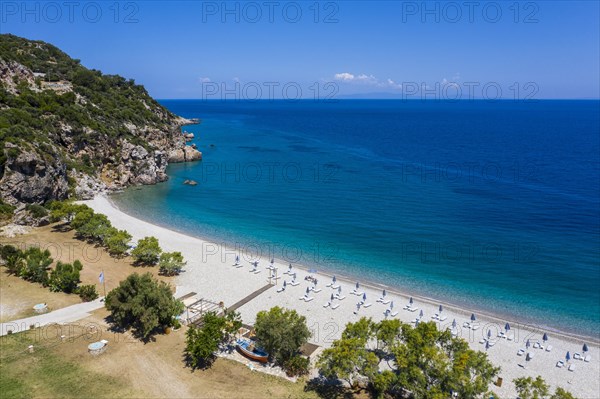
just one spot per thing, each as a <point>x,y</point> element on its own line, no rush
<point>85,147</point>
<point>31,178</point>
<point>185,154</point>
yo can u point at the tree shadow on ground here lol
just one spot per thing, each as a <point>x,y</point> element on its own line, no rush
<point>328,389</point>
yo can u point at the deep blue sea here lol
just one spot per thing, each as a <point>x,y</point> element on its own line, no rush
<point>493,205</point>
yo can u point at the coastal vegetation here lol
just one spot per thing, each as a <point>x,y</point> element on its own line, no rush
<point>536,388</point>
<point>33,264</point>
<point>202,342</point>
<point>147,251</point>
<point>420,362</point>
<point>171,263</point>
<point>281,332</point>
<point>143,304</point>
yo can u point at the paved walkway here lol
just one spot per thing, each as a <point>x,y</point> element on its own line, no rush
<point>59,316</point>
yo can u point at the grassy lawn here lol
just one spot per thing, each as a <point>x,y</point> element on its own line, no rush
<point>127,369</point>
<point>44,373</point>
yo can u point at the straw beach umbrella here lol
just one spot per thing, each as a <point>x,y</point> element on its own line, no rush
<point>585,348</point>
<point>545,337</point>
<point>364,296</point>
<point>473,318</point>
<point>507,327</point>
<point>568,356</point>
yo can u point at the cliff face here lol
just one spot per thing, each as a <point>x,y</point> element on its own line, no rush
<point>69,131</point>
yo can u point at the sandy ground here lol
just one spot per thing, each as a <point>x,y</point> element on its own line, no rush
<point>210,273</point>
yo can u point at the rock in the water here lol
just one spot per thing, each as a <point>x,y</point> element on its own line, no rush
<point>185,154</point>
<point>190,182</point>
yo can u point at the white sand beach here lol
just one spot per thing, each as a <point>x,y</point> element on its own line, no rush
<point>211,274</point>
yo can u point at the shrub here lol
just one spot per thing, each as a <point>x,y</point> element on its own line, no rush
<point>14,259</point>
<point>147,251</point>
<point>6,210</point>
<point>87,293</point>
<point>37,211</point>
<point>36,264</point>
<point>65,277</point>
<point>296,366</point>
<point>171,263</point>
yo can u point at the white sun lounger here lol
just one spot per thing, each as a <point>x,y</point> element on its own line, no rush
<point>339,297</point>
<point>257,271</point>
<point>294,283</point>
<point>393,314</point>
<point>335,286</point>
<point>482,341</point>
<point>328,304</point>
<point>492,342</point>
<point>281,289</point>
<point>366,305</point>
<point>560,364</point>
<point>536,345</point>
<point>385,301</point>
<point>475,327</point>
<point>549,348</point>
<point>308,299</point>
<point>571,367</point>
<point>510,337</point>
<point>316,290</point>
<point>253,270</point>
<point>359,293</point>
<point>520,352</point>
<point>588,358</point>
<point>413,309</point>
<point>466,324</point>
<point>335,306</point>
<point>442,318</point>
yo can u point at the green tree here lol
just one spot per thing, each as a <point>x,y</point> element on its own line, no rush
<point>347,359</point>
<point>66,210</point>
<point>387,332</point>
<point>143,304</point>
<point>281,332</point>
<point>14,259</point>
<point>117,241</point>
<point>95,228</point>
<point>36,265</point>
<point>81,217</point>
<point>202,342</point>
<point>65,277</point>
<point>87,292</point>
<point>147,251</point>
<point>529,388</point>
<point>562,394</point>
<point>171,263</point>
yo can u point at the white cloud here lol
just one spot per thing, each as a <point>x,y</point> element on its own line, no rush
<point>365,79</point>
<point>345,76</point>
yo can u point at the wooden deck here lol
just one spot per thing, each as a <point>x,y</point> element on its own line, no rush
<point>250,297</point>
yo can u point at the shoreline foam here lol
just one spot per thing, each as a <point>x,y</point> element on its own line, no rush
<point>213,277</point>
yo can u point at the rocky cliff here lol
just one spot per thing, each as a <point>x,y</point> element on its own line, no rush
<point>67,131</point>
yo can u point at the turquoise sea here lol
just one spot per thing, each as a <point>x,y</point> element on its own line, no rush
<point>493,205</point>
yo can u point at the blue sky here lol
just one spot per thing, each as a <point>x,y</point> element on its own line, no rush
<point>261,49</point>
